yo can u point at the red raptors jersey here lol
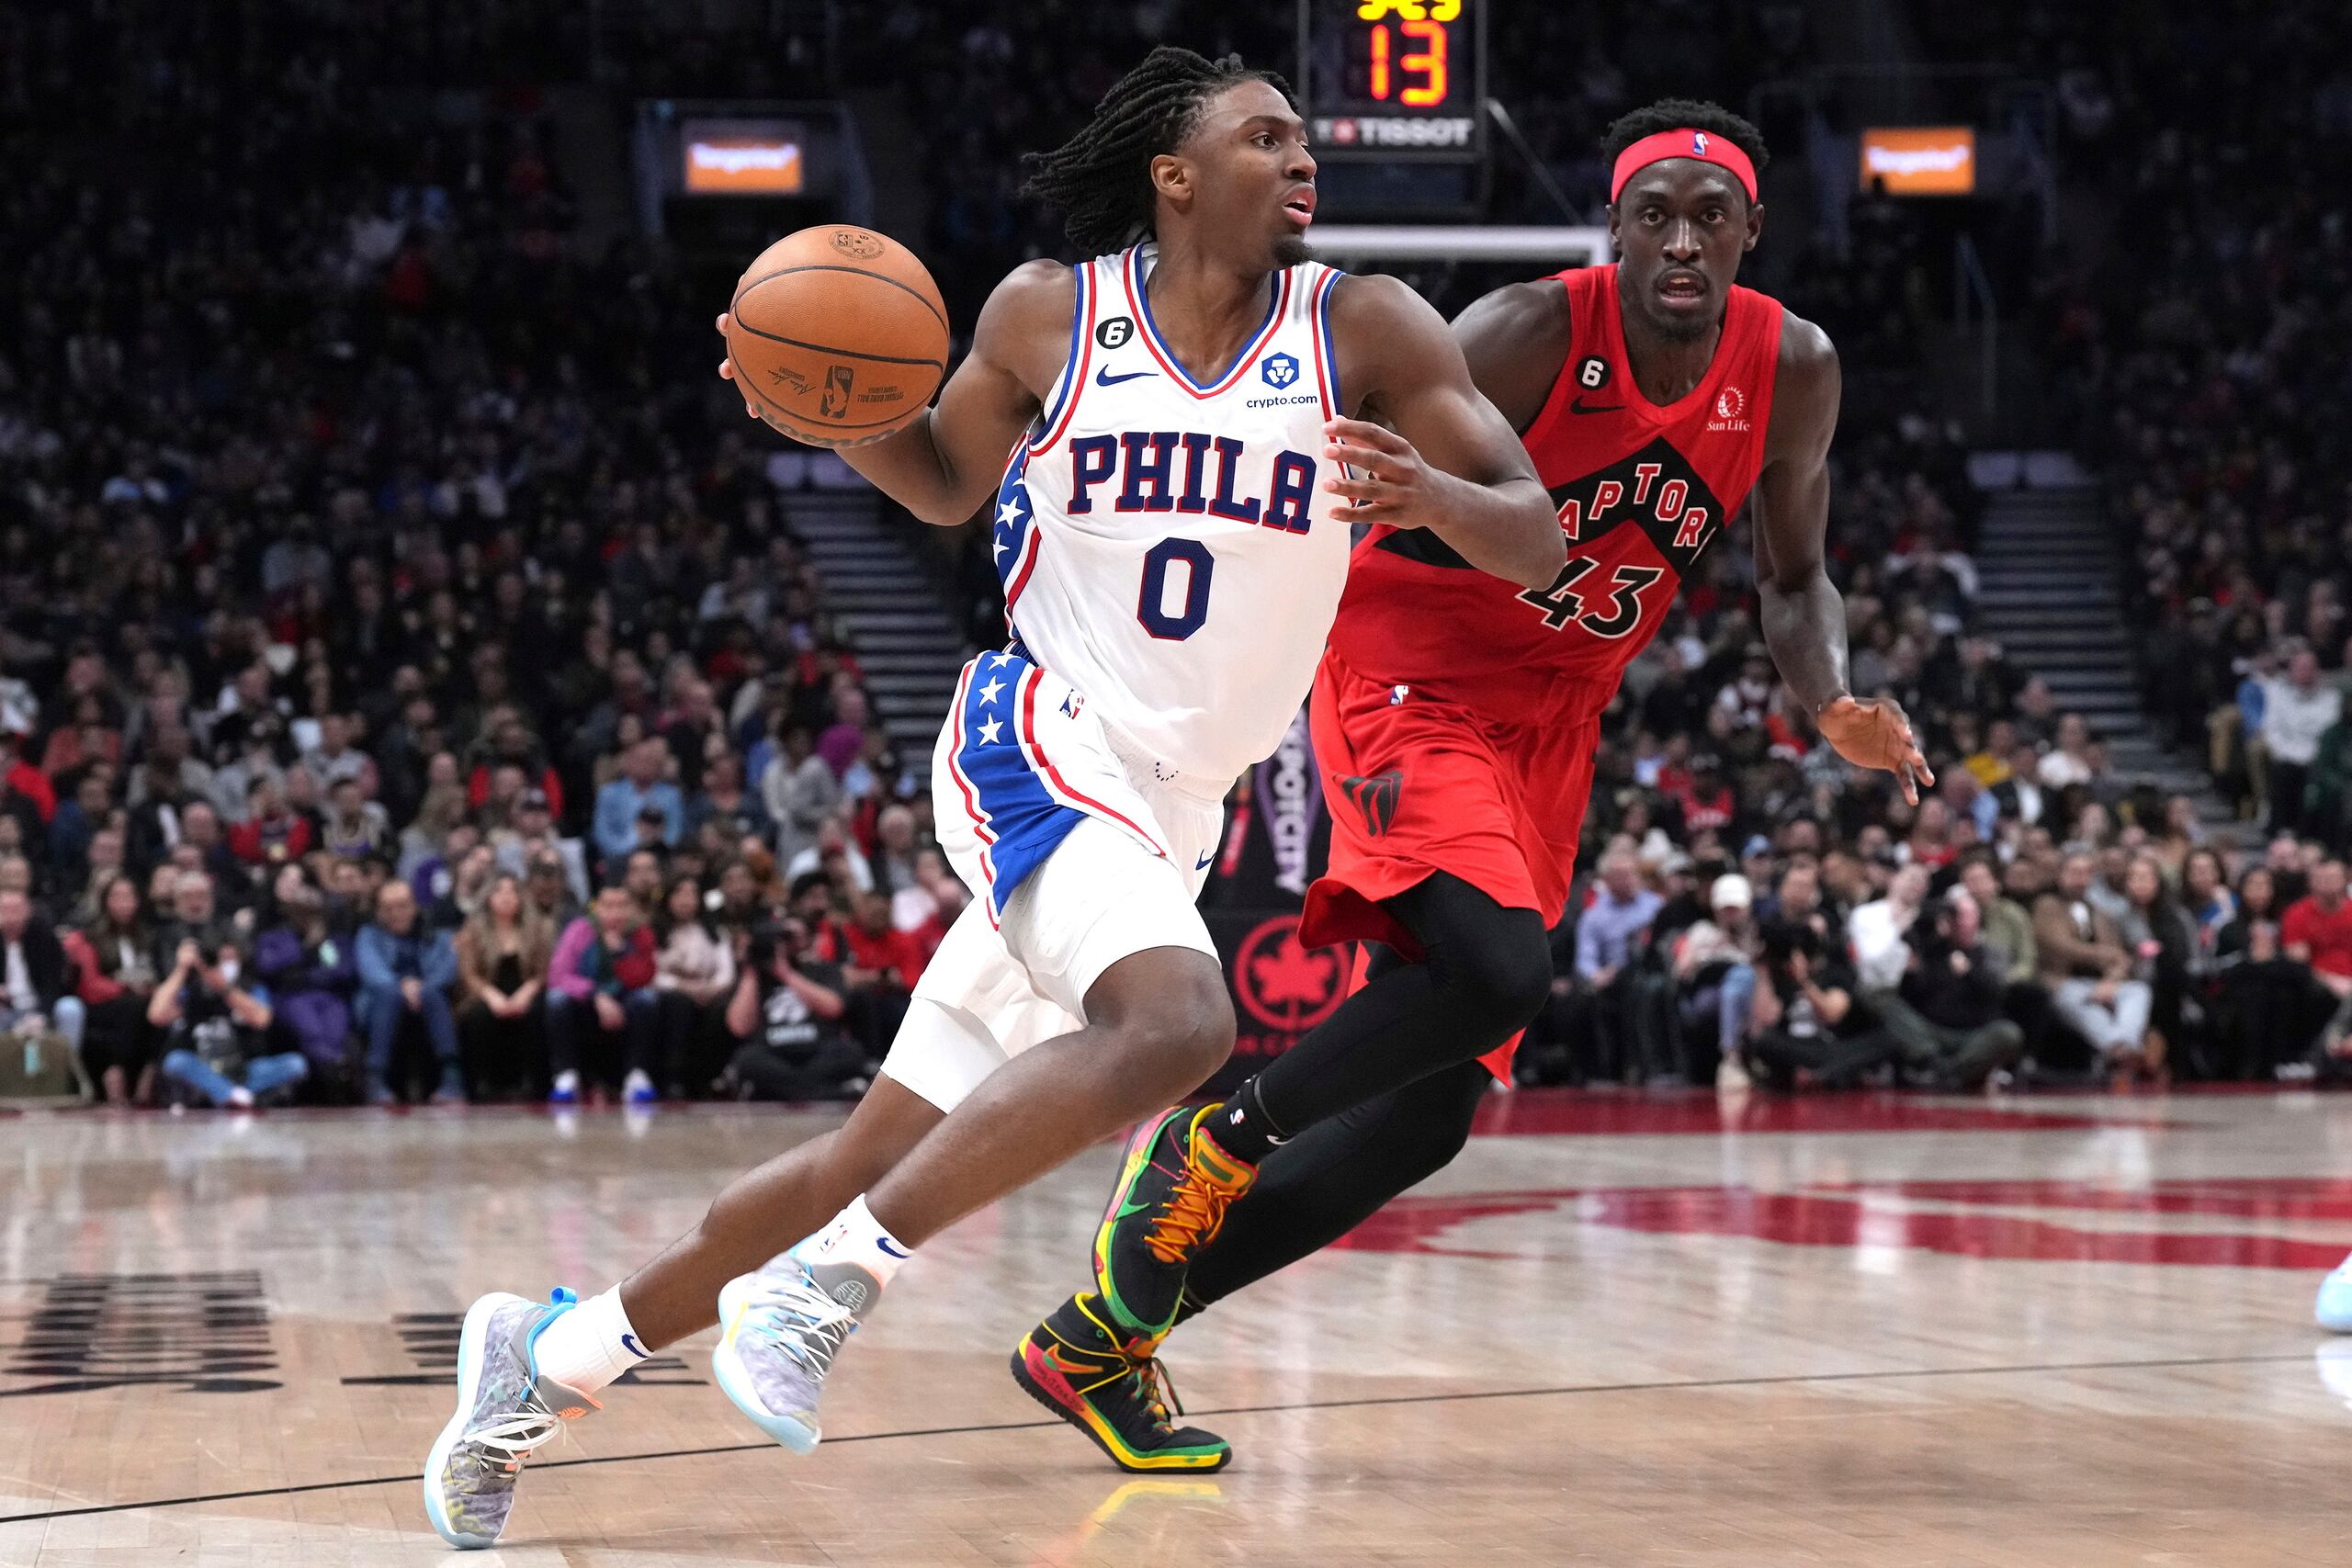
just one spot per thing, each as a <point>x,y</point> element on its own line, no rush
<point>1642,491</point>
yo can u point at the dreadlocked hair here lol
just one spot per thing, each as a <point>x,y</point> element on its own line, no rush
<point>1101,178</point>
<point>1685,114</point>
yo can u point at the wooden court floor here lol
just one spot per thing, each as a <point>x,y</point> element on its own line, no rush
<point>1619,1330</point>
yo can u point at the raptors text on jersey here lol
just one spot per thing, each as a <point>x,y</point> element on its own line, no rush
<point>1643,491</point>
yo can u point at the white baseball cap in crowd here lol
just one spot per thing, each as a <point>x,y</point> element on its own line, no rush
<point>1731,891</point>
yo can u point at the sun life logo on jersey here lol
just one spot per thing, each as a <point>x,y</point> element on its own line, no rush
<point>1278,369</point>
<point>1731,404</point>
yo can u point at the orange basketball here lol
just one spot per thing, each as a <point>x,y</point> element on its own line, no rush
<point>839,336</point>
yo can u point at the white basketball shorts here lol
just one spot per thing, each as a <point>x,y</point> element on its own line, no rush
<point>1080,851</point>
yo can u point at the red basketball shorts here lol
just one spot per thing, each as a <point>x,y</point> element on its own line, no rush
<point>1418,785</point>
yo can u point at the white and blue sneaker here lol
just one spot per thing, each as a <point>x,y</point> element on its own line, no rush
<point>505,1411</point>
<point>2334,1308</point>
<point>782,1326</point>
<point>638,1088</point>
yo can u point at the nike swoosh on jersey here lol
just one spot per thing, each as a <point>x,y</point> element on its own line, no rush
<point>1103,378</point>
<point>1577,406</point>
<point>1204,860</point>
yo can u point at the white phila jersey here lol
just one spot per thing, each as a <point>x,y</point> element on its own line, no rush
<point>1164,543</point>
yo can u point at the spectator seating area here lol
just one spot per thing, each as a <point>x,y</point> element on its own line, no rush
<point>380,578</point>
<point>2193,363</point>
<point>411,686</point>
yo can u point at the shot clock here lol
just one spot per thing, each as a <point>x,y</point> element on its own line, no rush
<point>1395,79</point>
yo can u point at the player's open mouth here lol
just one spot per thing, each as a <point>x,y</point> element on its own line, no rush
<point>1300,209</point>
<point>1683,287</point>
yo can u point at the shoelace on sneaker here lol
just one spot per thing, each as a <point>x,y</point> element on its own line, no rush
<point>1193,1214</point>
<point>801,1319</point>
<point>1158,1389</point>
<point>518,1437</point>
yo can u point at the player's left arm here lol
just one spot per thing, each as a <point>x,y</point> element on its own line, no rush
<point>1448,461</point>
<point>1803,615</point>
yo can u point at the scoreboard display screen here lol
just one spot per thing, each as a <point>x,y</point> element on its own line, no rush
<point>1395,79</point>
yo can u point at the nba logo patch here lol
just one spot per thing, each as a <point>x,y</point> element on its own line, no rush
<point>1699,143</point>
<point>1278,369</point>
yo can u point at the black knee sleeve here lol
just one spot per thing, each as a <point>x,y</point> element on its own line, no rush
<point>1497,981</point>
<point>1492,964</point>
<point>1485,972</point>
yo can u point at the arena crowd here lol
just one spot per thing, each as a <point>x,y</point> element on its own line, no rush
<point>411,685</point>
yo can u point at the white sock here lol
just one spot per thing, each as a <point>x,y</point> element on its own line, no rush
<point>590,1345</point>
<point>855,1236</point>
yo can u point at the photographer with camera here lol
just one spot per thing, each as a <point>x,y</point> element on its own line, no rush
<point>789,1009</point>
<point>1947,1013</point>
<point>1805,1030</point>
<point>214,1028</point>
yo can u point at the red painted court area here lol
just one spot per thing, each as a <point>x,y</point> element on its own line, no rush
<point>1965,1218</point>
<point>1556,1110</point>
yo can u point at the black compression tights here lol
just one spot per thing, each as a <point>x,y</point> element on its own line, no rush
<point>1487,971</point>
<point>1330,1178</point>
<point>1381,1094</point>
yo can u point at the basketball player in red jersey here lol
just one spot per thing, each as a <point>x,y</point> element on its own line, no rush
<point>1456,716</point>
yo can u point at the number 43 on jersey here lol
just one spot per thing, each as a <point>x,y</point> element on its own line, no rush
<point>1610,606</point>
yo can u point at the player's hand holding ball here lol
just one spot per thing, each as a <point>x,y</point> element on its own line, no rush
<point>836,336</point>
<point>1875,733</point>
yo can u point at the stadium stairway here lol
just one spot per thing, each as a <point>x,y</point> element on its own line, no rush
<point>2046,567</point>
<point>890,611</point>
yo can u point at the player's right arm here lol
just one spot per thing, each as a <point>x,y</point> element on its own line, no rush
<point>945,464</point>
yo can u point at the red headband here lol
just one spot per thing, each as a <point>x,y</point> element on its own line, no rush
<point>1705,146</point>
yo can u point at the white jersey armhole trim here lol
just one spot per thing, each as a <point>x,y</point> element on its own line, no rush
<point>1327,355</point>
<point>1057,417</point>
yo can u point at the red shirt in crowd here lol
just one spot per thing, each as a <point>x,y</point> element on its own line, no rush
<point>546,784</point>
<point>2328,933</point>
<point>892,949</point>
<point>1932,854</point>
<point>1703,809</point>
<point>33,784</point>
<point>929,935</point>
<point>282,837</point>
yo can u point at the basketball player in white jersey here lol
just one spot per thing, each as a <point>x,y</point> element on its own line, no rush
<point>1174,527</point>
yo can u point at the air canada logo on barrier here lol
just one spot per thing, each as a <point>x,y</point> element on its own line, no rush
<point>1283,986</point>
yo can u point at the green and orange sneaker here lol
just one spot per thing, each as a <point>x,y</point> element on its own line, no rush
<point>1169,1202</point>
<point>1113,1390</point>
